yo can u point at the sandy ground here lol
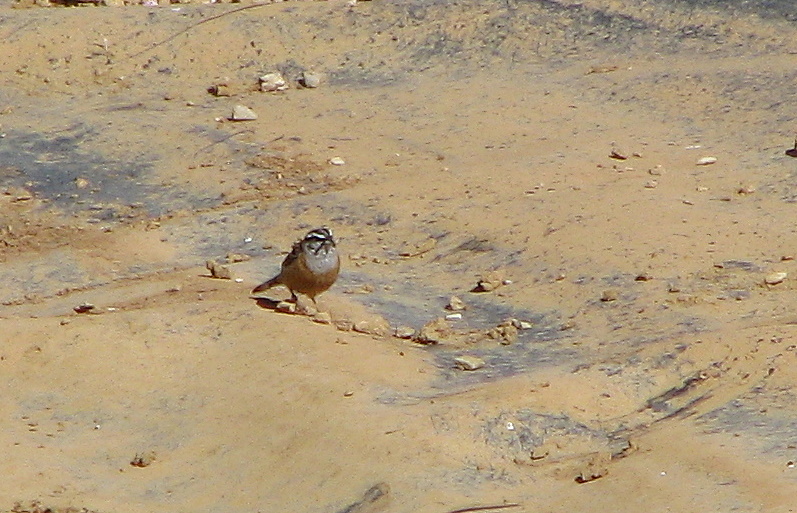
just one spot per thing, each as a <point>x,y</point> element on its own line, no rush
<point>555,143</point>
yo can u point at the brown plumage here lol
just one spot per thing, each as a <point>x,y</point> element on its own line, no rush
<point>310,268</point>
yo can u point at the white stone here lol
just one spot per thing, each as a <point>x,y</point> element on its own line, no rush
<point>469,363</point>
<point>705,161</point>
<point>311,80</point>
<point>775,278</point>
<point>271,82</point>
<point>243,113</point>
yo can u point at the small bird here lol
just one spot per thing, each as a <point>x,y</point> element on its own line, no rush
<point>310,268</point>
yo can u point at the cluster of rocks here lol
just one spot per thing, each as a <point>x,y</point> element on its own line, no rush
<point>272,82</point>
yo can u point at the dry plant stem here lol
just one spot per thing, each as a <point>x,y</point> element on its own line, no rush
<point>191,27</point>
<point>485,508</point>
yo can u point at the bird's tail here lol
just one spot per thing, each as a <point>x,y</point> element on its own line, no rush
<point>266,285</point>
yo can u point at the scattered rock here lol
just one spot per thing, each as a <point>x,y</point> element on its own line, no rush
<point>609,295</point>
<point>739,294</point>
<point>651,184</point>
<point>404,332</point>
<point>365,288</point>
<point>792,152</point>
<point>521,325</point>
<point>310,80</point>
<point>322,318</point>
<point>143,459</point>
<point>491,281</point>
<point>775,278</point>
<point>595,466</point>
<point>454,316</point>
<point>219,271</point>
<point>337,161</point>
<point>567,325</point>
<point>370,328</point>
<point>242,113</point>
<point>602,69</point>
<point>455,304</point>
<point>618,155</point>
<point>344,325</point>
<point>271,82</point>
<point>705,161</point>
<point>643,276</point>
<point>745,189</point>
<point>233,258</point>
<point>506,333</point>
<point>226,88</point>
<point>469,363</point>
<point>219,90</point>
<point>434,332</point>
<point>19,194</point>
<point>540,452</point>
<point>286,307</point>
<point>84,308</point>
<point>687,299</point>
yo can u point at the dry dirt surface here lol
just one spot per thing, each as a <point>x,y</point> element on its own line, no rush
<point>615,174</point>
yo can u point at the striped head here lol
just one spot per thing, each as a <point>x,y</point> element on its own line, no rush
<point>319,242</point>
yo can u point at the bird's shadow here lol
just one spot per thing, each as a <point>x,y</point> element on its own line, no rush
<point>266,303</point>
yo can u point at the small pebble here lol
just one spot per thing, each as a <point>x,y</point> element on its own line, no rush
<point>84,307</point>
<point>490,281</point>
<point>705,161</point>
<point>271,82</point>
<point>469,363</point>
<point>221,272</point>
<point>143,459</point>
<point>609,295</point>
<point>651,184</point>
<point>286,307</point>
<point>455,304</point>
<point>506,333</point>
<point>233,258</point>
<point>775,278</point>
<point>337,161</point>
<point>454,316</point>
<point>404,332</point>
<point>243,113</point>
<point>310,80</point>
<point>322,318</point>
<point>434,332</point>
<point>567,325</point>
